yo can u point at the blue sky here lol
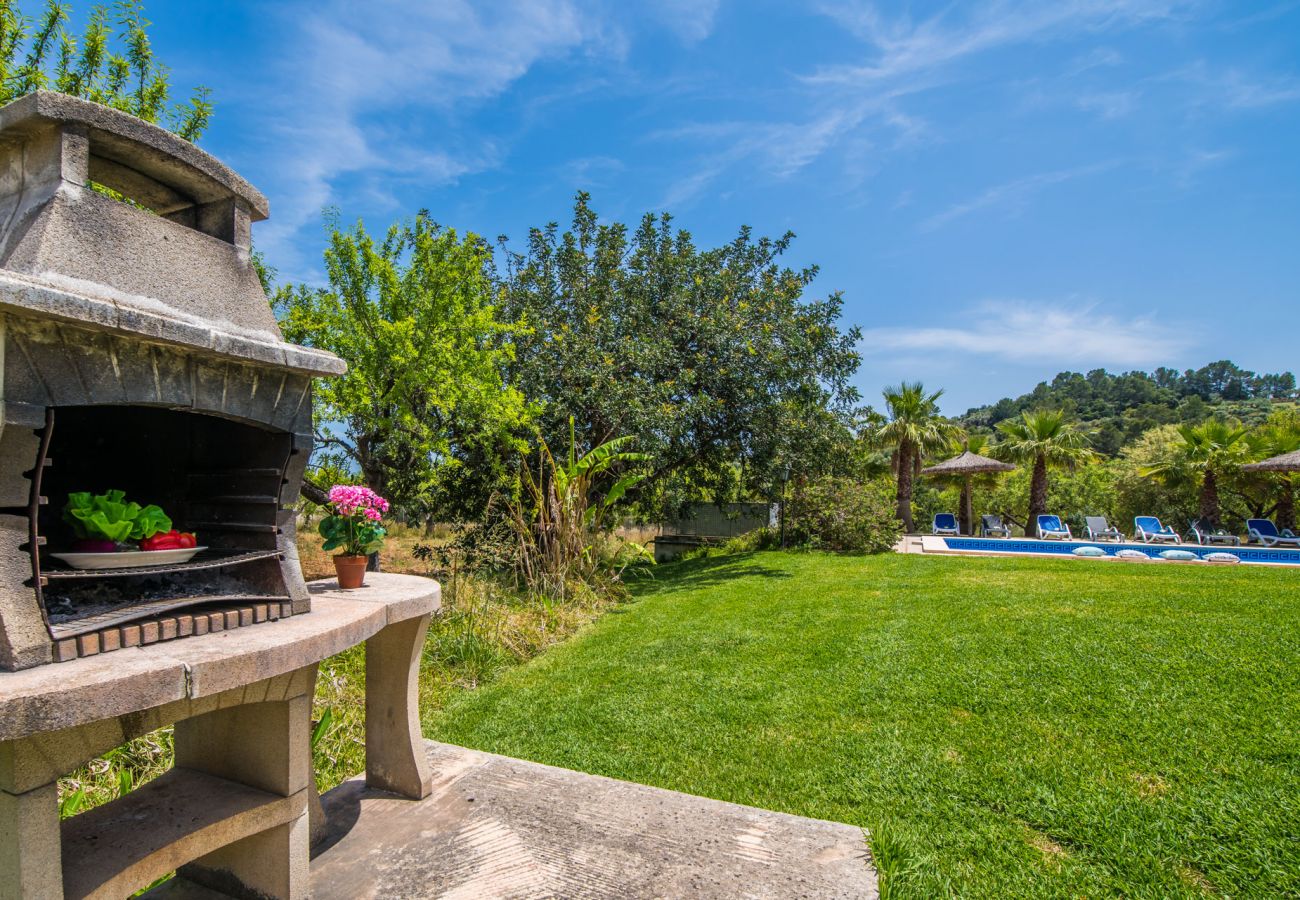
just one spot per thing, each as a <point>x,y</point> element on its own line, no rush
<point>1001,190</point>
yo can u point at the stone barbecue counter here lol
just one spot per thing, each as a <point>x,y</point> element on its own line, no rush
<point>98,687</point>
<point>237,811</point>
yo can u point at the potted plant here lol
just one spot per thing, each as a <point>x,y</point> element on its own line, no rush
<point>355,528</point>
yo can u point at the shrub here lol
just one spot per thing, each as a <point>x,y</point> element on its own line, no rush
<point>559,519</point>
<point>842,514</point>
<point>749,542</point>
<point>758,539</point>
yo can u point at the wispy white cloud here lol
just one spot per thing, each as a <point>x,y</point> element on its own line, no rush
<point>780,149</point>
<point>1199,87</point>
<point>1097,58</point>
<point>590,171</point>
<point>691,20</point>
<point>1012,195</point>
<point>1258,16</point>
<point>370,84</point>
<point>1109,104</point>
<point>682,191</point>
<point>905,57</point>
<point>903,47</point>
<point>1064,332</point>
<point>1195,161</point>
<point>1234,89</point>
<point>783,149</point>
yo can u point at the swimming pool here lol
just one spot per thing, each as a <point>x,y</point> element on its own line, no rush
<point>1254,554</point>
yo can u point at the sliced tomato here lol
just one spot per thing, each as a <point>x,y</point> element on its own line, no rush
<point>169,540</point>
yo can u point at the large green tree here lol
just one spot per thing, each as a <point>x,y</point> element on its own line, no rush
<point>422,413</point>
<point>1042,439</point>
<point>716,359</point>
<point>111,63</point>
<point>911,428</point>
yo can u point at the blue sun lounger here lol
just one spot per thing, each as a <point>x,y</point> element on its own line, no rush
<point>1264,531</point>
<point>1148,529</point>
<point>1052,528</point>
<point>945,523</point>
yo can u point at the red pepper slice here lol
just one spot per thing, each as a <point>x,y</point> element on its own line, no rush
<point>170,540</point>
<point>162,541</point>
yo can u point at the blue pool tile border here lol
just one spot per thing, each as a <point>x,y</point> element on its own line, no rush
<point>1066,548</point>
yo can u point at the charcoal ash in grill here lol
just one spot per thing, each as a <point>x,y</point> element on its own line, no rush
<point>79,600</point>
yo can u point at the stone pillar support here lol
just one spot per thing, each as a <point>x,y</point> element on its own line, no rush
<point>395,759</point>
<point>30,849</point>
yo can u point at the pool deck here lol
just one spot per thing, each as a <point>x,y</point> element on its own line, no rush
<point>1250,554</point>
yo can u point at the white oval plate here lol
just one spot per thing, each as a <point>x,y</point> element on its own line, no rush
<point>128,559</point>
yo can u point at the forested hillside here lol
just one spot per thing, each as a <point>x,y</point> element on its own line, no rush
<point>1119,408</point>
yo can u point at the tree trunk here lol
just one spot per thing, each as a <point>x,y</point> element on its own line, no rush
<point>1286,505</point>
<point>904,496</point>
<point>314,493</point>
<point>1210,498</point>
<point>1037,495</point>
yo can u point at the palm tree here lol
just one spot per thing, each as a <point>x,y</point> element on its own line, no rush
<point>1209,450</point>
<point>912,429</point>
<point>1042,438</point>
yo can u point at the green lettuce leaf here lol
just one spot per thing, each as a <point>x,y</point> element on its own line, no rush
<point>110,516</point>
<point>151,520</point>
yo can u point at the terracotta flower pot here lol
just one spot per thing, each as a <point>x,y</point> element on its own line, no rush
<point>351,571</point>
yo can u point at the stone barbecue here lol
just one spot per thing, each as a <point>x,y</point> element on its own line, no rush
<point>139,354</point>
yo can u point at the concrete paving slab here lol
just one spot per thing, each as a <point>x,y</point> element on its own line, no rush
<point>501,827</point>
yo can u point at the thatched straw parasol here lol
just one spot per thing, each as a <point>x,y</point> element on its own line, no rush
<point>1287,462</point>
<point>966,466</point>
<point>1283,464</point>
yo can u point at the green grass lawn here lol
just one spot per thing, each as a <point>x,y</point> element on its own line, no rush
<point>1001,727</point>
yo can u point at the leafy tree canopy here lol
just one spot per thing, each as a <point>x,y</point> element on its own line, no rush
<point>422,413</point>
<point>111,63</point>
<point>715,359</point>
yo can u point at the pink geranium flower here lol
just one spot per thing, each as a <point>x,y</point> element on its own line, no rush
<point>351,500</point>
<point>354,525</point>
